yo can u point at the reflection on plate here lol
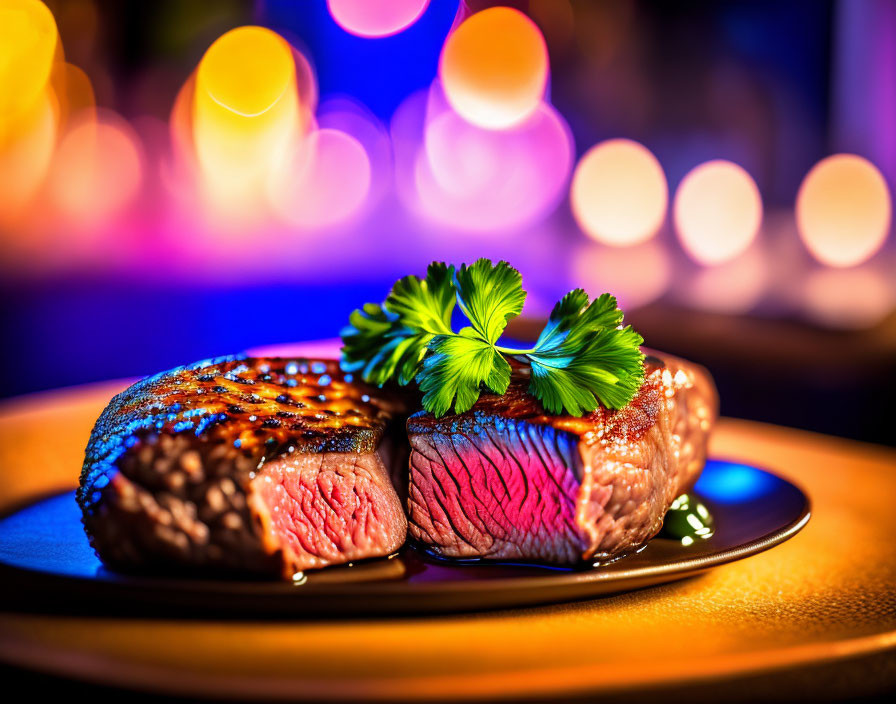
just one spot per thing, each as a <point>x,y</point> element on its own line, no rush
<point>46,562</point>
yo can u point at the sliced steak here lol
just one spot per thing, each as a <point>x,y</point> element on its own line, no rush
<point>507,481</point>
<point>262,465</point>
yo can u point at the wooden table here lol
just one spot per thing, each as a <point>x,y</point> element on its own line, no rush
<point>813,615</point>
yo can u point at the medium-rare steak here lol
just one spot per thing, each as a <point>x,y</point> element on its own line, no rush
<point>507,481</point>
<point>263,465</point>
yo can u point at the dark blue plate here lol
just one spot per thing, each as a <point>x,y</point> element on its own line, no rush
<point>46,562</point>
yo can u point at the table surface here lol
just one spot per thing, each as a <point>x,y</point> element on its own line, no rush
<point>826,597</point>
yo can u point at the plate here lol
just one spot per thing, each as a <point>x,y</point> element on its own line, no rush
<point>46,562</point>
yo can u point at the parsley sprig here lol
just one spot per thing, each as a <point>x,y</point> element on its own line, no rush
<point>583,357</point>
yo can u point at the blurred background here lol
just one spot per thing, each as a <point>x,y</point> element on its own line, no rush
<point>181,179</point>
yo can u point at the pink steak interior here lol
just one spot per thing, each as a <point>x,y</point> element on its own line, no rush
<point>326,509</point>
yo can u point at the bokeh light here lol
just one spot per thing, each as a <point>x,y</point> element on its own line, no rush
<point>494,68</point>
<point>843,210</point>
<point>717,211</point>
<point>28,43</point>
<point>247,71</point>
<point>73,90</point>
<point>354,118</point>
<point>465,159</point>
<point>855,298</point>
<point>636,275</point>
<point>376,18</point>
<point>29,107</point>
<point>24,163</point>
<point>326,183</point>
<point>306,87</point>
<point>245,116</point>
<point>733,287</point>
<point>619,193</point>
<point>469,178</point>
<point>97,169</point>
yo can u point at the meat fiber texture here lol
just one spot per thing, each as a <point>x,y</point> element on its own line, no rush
<point>506,481</point>
<point>261,465</point>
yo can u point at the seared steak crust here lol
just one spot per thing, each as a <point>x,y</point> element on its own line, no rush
<point>506,480</point>
<point>177,466</point>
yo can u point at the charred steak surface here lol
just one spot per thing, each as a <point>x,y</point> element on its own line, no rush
<point>505,480</point>
<point>263,465</point>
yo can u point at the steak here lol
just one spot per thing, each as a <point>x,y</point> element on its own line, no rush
<point>507,481</point>
<point>263,465</point>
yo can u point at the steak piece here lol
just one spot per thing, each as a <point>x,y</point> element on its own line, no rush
<point>507,481</point>
<point>263,465</point>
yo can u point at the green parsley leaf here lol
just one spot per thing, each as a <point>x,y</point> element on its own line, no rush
<point>489,295</point>
<point>377,345</point>
<point>582,357</point>
<point>426,304</point>
<point>382,342</point>
<point>457,367</point>
<point>569,320</point>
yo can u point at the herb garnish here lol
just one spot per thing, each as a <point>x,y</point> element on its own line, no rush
<point>583,356</point>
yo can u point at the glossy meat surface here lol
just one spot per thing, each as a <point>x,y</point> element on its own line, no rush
<point>507,481</point>
<point>173,466</point>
